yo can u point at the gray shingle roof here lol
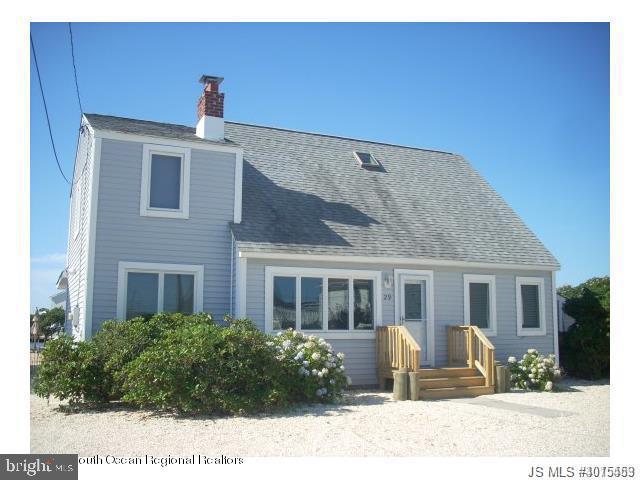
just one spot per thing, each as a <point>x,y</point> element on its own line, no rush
<point>146,127</point>
<point>306,193</point>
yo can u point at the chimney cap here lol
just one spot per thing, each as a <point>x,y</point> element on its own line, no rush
<point>206,79</point>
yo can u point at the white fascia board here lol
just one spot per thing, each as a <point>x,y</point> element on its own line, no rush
<point>129,137</point>
<point>91,252</point>
<point>390,260</point>
<point>554,297</point>
<point>237,189</point>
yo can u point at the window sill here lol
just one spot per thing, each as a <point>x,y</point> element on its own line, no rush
<point>164,213</point>
<point>336,335</point>
<point>526,332</point>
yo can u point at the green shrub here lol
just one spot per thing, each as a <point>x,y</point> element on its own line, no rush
<point>534,371</point>
<point>71,371</point>
<point>187,363</point>
<point>585,347</point>
<point>309,369</point>
<point>119,343</point>
<point>207,368</point>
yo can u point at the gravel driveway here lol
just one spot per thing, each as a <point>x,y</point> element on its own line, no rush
<point>573,422</point>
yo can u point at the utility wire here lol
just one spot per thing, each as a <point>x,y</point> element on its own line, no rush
<point>46,112</point>
<point>75,73</point>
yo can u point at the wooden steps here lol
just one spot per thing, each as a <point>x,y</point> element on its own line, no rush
<point>451,382</point>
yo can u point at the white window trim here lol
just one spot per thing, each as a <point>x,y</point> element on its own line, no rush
<point>160,268</point>
<point>325,274</point>
<point>185,180</point>
<point>492,331</point>
<point>522,331</point>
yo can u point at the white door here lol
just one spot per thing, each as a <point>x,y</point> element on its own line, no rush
<point>413,309</point>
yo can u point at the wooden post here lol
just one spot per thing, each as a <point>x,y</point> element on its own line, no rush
<point>400,380</point>
<point>414,386</point>
<point>470,350</point>
<point>503,379</point>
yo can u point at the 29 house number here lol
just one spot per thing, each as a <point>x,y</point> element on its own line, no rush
<point>387,297</point>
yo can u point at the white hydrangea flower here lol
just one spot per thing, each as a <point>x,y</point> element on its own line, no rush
<point>512,359</point>
<point>312,337</point>
<point>305,363</point>
<point>531,375</point>
<point>270,344</point>
<point>308,344</point>
<point>332,381</point>
<point>320,374</point>
<point>315,356</point>
<point>340,355</point>
<point>342,367</point>
<point>549,386</point>
<point>532,351</point>
<point>279,334</point>
<point>314,372</point>
<point>325,371</point>
<point>348,380</point>
<point>286,344</point>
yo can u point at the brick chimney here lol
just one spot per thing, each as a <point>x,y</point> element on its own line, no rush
<point>211,109</point>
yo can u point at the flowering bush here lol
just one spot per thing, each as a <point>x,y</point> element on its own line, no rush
<point>534,371</point>
<point>310,369</point>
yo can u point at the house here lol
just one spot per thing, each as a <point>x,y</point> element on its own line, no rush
<point>59,299</point>
<point>398,256</point>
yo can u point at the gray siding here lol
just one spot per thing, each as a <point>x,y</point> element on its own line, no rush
<point>448,309</point>
<point>122,234</point>
<point>78,244</point>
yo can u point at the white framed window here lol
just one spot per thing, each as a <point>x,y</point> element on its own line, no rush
<point>333,303</point>
<point>480,303</point>
<point>148,288</point>
<point>166,173</point>
<point>530,306</point>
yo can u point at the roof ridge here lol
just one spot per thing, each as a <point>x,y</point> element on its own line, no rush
<point>342,137</point>
<point>282,129</point>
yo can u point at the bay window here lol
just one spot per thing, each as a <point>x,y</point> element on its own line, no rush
<point>329,301</point>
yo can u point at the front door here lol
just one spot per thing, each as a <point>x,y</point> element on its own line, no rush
<point>413,309</point>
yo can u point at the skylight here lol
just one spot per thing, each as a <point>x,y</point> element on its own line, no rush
<point>366,159</point>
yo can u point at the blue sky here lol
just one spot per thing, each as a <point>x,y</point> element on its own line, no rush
<point>527,104</point>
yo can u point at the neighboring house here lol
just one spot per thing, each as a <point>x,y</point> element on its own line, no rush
<point>330,235</point>
<point>564,320</point>
<point>59,299</point>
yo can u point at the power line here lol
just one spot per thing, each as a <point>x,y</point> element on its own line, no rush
<point>75,73</point>
<point>46,111</point>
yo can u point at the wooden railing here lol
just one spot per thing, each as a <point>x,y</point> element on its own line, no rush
<point>468,345</point>
<point>396,349</point>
